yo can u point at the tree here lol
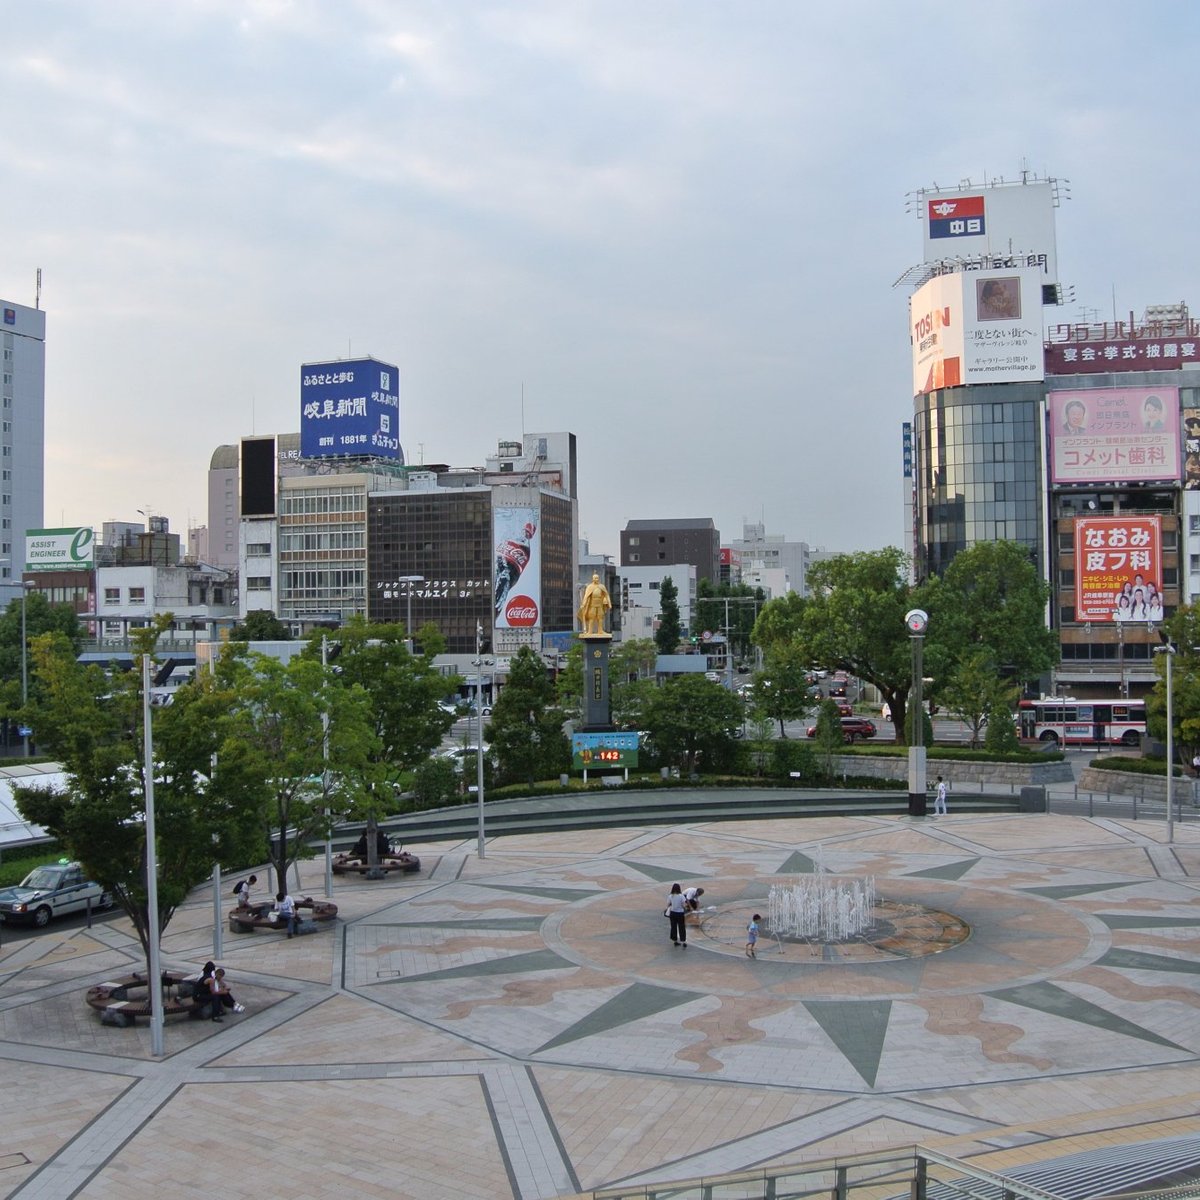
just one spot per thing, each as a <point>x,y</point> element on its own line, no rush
<point>311,744</point>
<point>991,599</point>
<point>736,619</point>
<point>402,692</point>
<point>569,681</point>
<point>526,729</point>
<point>669,632</point>
<point>854,620</point>
<point>781,688</point>
<point>829,738</point>
<point>1183,628</point>
<point>634,659</point>
<point>260,625</point>
<point>93,725</point>
<point>41,617</point>
<point>689,717</point>
<point>778,623</point>
<point>974,691</point>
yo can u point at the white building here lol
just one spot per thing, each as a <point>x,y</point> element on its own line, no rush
<point>770,561</point>
<point>643,585</point>
<point>202,599</point>
<point>22,430</point>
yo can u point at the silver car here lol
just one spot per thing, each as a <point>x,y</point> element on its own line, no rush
<point>48,892</point>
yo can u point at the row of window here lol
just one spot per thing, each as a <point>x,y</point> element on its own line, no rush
<point>137,595</point>
<point>329,539</point>
<point>349,500</point>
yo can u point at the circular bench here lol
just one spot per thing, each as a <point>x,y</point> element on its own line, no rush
<point>121,1001</point>
<point>394,860</point>
<point>258,916</point>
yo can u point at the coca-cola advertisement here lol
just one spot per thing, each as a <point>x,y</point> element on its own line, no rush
<point>517,582</point>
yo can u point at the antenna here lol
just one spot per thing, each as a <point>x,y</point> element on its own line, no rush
<point>522,410</point>
<point>37,299</point>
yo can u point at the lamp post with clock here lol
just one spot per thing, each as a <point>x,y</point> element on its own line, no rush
<point>916,620</point>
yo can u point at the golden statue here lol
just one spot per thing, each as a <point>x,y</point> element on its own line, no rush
<point>593,607</point>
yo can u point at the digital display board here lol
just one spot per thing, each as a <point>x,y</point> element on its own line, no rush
<point>593,750</point>
<point>350,408</point>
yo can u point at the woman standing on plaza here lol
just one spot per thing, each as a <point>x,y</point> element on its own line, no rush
<point>676,910</point>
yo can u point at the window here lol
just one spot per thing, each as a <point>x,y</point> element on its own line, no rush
<point>633,541</point>
<point>258,547</point>
<point>1193,527</point>
<point>258,583</point>
<point>112,595</point>
<point>137,595</point>
<point>638,558</point>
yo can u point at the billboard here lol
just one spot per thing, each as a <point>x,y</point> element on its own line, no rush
<point>350,408</point>
<point>990,227</point>
<point>1114,435</point>
<point>977,327</point>
<point>59,549</point>
<point>595,750</point>
<point>1104,355</point>
<point>1118,568</point>
<point>517,578</point>
<point>1191,449</point>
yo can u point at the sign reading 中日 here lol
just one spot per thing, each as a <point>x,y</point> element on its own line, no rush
<point>59,549</point>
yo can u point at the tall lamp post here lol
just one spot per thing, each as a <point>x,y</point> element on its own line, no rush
<point>409,580</point>
<point>479,732</point>
<point>916,620</point>
<point>1168,648</point>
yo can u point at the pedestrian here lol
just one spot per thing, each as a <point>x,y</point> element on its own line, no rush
<point>1196,764</point>
<point>692,896</point>
<point>242,891</point>
<point>752,936</point>
<point>285,906</point>
<point>939,799</point>
<point>221,995</point>
<point>677,910</point>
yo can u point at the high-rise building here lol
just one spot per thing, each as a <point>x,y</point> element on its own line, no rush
<point>694,540</point>
<point>23,436</point>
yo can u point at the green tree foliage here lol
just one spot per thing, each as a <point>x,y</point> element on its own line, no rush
<point>634,659</point>
<point>281,710</point>
<point>974,691</point>
<point>670,631</point>
<point>736,619</point>
<point>1183,628</point>
<point>429,641</point>
<point>781,688</point>
<point>526,729</point>
<point>990,599</point>
<point>93,725</point>
<point>260,625</point>
<point>829,740</point>
<point>690,718</point>
<point>435,783</point>
<point>779,622</point>
<point>41,617</point>
<point>402,692</point>
<point>569,682</point>
<point>1001,736</point>
<point>854,620</point>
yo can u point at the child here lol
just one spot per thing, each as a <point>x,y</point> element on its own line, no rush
<point>752,936</point>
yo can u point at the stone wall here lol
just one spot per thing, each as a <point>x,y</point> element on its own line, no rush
<point>956,770</point>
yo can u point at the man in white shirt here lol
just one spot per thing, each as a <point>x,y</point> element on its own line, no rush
<point>939,800</point>
<point>285,906</point>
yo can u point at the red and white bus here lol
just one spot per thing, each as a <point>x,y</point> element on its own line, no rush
<point>1066,721</point>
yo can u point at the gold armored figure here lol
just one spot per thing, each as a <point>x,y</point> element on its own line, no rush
<point>593,607</point>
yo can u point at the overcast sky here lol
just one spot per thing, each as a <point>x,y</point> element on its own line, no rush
<point>672,227</point>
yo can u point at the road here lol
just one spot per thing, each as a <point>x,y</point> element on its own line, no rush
<point>10,933</point>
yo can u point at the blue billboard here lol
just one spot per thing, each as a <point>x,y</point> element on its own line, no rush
<point>350,408</point>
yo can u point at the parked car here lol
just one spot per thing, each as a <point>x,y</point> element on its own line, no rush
<point>51,891</point>
<point>853,728</point>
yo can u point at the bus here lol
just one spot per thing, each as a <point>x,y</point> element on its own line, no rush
<point>1065,721</point>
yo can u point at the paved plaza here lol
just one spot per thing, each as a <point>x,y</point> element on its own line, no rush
<point>521,1026</point>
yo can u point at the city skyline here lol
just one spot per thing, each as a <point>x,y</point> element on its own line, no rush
<point>673,232</point>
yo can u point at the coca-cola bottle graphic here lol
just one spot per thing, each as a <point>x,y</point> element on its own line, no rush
<point>512,557</point>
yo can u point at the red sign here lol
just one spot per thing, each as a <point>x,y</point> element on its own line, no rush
<point>521,611</point>
<point>1118,569</point>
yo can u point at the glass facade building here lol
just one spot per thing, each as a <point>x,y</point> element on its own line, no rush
<point>978,471</point>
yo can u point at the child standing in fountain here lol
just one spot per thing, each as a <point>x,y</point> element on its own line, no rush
<point>752,936</point>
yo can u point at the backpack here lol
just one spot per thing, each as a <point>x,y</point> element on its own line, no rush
<point>237,888</point>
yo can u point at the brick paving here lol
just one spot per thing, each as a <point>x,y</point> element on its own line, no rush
<point>520,1025</point>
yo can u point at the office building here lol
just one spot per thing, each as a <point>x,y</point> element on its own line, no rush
<point>695,540</point>
<point>22,431</point>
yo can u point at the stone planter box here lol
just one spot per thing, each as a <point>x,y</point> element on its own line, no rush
<point>960,771</point>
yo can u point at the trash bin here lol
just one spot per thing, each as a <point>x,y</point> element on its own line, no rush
<point>917,805</point>
<point>1033,800</point>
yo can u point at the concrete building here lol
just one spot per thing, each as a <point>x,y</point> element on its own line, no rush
<point>694,540</point>
<point>22,432</point>
<point>643,586</point>
<point>770,561</point>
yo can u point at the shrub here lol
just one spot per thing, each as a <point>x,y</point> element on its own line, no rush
<point>435,783</point>
<point>791,756</point>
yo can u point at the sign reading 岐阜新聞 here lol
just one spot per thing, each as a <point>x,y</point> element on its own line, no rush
<point>350,408</point>
<point>59,549</point>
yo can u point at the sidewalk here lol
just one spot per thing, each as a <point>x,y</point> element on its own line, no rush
<point>521,1026</point>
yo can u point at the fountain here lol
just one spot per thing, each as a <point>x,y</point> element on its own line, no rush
<point>821,908</point>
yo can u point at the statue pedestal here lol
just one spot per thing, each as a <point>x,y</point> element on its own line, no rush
<point>597,704</point>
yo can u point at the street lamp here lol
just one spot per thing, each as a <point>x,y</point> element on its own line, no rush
<point>1168,648</point>
<point>479,731</point>
<point>916,620</point>
<point>410,580</point>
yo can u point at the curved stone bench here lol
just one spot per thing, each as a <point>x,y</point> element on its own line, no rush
<point>354,864</point>
<point>258,916</point>
<point>121,1001</point>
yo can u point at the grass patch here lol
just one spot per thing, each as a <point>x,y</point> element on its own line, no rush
<point>1134,766</point>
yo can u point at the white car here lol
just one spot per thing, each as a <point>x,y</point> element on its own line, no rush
<point>51,891</point>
